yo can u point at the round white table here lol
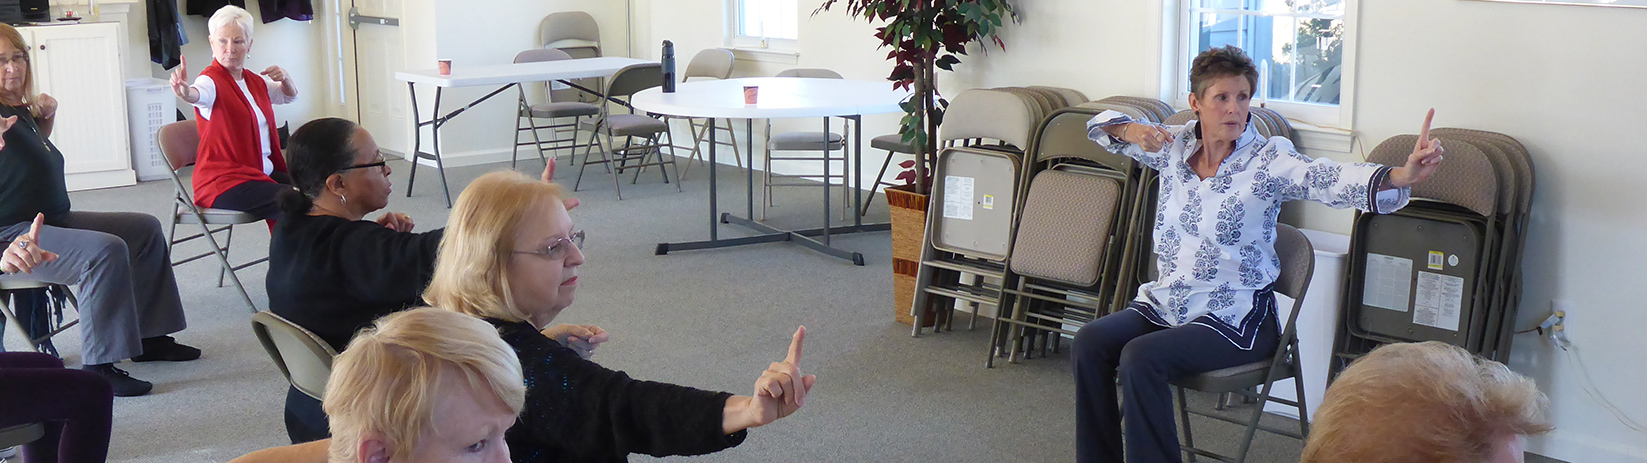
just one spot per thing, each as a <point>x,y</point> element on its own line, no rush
<point>777,97</point>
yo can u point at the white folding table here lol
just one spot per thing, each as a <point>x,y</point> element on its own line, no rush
<point>504,75</point>
<point>778,97</point>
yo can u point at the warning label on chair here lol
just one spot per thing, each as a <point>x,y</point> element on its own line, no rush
<point>1440,299</point>
<point>1389,280</point>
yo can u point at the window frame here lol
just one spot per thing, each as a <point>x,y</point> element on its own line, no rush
<point>1176,59</point>
<point>736,40</point>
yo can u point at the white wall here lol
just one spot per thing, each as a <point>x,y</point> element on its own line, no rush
<point>1562,79</point>
<point>286,43</point>
<point>491,33</point>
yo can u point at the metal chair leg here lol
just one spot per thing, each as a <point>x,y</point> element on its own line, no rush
<point>1183,416</point>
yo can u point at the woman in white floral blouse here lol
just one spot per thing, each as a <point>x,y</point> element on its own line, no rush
<point>1222,186</point>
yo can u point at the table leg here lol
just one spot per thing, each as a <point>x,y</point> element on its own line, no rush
<point>417,140</point>
<point>435,140</point>
<point>858,171</point>
<point>714,190</point>
<point>749,131</point>
<point>826,194</point>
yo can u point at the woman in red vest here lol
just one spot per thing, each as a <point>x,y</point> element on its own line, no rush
<point>239,166</point>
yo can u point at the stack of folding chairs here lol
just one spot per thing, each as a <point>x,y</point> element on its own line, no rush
<point>972,208</point>
<point>1045,304</point>
<point>1448,266</point>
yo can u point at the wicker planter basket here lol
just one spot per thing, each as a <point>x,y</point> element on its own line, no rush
<point>908,231</point>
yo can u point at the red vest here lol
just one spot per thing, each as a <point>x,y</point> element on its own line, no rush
<point>229,150</point>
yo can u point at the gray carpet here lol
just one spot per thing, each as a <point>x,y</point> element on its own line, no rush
<point>711,319</point>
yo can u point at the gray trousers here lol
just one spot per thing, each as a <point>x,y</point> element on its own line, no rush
<point>122,264</point>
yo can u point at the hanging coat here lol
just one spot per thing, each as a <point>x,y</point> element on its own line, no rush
<point>165,34</point>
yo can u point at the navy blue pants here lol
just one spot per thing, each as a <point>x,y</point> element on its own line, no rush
<point>1145,356</point>
<point>261,199</point>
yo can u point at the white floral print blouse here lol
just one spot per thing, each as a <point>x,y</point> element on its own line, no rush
<point>1215,238</point>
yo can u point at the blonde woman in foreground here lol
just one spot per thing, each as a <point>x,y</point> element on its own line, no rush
<point>1427,402</point>
<point>511,256</point>
<point>423,385</point>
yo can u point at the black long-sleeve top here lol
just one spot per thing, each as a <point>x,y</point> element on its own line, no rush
<point>31,172</point>
<point>579,411</point>
<point>334,276</point>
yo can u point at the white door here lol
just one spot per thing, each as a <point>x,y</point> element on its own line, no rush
<point>369,53</point>
<point>80,67</point>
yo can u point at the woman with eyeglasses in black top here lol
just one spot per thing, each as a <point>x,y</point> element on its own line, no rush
<point>332,271</point>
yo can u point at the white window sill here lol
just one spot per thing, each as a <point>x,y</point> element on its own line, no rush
<point>767,55</point>
<point>1323,140</point>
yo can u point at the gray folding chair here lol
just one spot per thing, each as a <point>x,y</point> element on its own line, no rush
<point>1297,266</point>
<point>819,141</point>
<point>893,144</point>
<point>715,64</point>
<point>615,157</point>
<point>528,114</point>
<point>179,142</point>
<point>12,436</point>
<point>53,323</point>
<point>577,34</point>
<point>303,358</point>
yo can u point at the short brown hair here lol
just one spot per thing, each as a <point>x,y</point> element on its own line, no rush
<point>1220,62</point>
<point>1430,402</point>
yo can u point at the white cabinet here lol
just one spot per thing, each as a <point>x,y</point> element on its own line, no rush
<point>80,65</point>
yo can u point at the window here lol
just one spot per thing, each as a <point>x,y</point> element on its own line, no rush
<point>763,23</point>
<point>1303,48</point>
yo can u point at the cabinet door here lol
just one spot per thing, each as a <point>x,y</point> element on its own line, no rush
<point>79,65</point>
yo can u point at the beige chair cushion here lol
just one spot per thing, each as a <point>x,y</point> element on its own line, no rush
<point>1065,227</point>
<point>892,142</point>
<point>804,141</point>
<point>564,109</point>
<point>630,124</point>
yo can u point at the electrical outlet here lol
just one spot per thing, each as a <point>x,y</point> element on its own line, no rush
<point>1558,333</point>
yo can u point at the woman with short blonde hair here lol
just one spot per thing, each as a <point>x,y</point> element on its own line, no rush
<point>424,385</point>
<point>1426,402</point>
<point>511,256</point>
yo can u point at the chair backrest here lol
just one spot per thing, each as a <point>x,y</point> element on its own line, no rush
<point>713,63</point>
<point>574,31</point>
<point>815,73</point>
<point>1065,227</point>
<point>303,358</point>
<point>541,54</point>
<point>179,142</point>
<point>1467,179</point>
<point>1297,257</point>
<point>988,113</point>
<point>634,78</point>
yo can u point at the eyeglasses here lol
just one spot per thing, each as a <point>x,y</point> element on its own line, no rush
<point>382,166</point>
<point>559,248</point>
<point>17,59</point>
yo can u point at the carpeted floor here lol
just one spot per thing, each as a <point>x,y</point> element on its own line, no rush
<point>711,319</point>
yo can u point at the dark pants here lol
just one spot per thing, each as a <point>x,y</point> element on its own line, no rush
<point>75,406</point>
<point>261,199</point>
<point>1145,356</point>
<point>305,419</point>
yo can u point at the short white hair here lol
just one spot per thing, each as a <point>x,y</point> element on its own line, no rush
<point>230,13</point>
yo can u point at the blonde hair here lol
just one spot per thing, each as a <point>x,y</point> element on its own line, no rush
<point>1428,402</point>
<point>388,379</point>
<point>471,273</point>
<point>12,35</point>
<point>227,14</point>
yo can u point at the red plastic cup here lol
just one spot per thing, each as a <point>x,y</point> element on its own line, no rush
<point>750,94</point>
<point>445,66</point>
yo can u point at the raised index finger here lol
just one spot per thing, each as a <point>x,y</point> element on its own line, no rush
<point>1424,133</point>
<point>795,346</point>
<point>34,230</point>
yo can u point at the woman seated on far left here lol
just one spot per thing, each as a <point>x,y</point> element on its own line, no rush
<point>128,297</point>
<point>239,166</point>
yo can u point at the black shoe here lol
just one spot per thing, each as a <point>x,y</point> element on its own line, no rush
<point>164,348</point>
<point>124,384</point>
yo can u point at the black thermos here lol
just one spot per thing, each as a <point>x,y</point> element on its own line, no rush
<point>668,67</point>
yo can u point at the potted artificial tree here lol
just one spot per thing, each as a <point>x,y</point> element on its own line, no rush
<point>924,35</point>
